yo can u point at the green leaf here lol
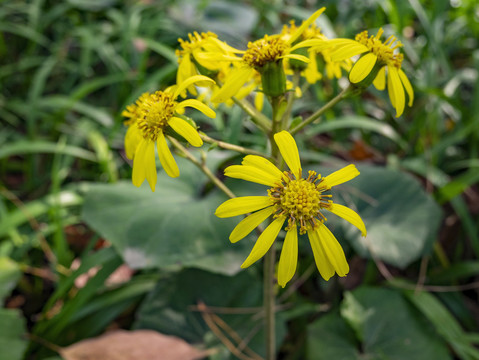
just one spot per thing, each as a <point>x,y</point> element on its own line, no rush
<point>374,324</point>
<point>12,346</point>
<point>171,228</point>
<point>402,220</point>
<point>171,308</point>
<point>9,275</point>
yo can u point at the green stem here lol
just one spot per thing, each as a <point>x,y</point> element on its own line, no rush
<point>257,117</point>
<point>291,96</point>
<point>201,165</point>
<point>269,299</point>
<point>343,94</point>
<point>228,146</point>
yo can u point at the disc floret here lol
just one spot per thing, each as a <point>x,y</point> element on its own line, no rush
<point>300,200</point>
<point>263,51</point>
<point>384,51</point>
<point>154,113</point>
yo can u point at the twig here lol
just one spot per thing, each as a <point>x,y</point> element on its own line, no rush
<point>228,146</point>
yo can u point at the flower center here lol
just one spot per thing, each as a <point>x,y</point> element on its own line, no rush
<point>384,51</point>
<point>155,111</point>
<point>300,200</point>
<point>263,51</point>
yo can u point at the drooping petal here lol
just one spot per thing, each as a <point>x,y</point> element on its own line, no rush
<point>380,80</point>
<point>289,257</point>
<point>349,49</point>
<point>396,90</point>
<point>259,101</point>
<point>242,205</point>
<point>299,31</point>
<point>233,83</point>
<point>181,87</point>
<point>348,215</point>
<point>132,139</point>
<point>139,169</point>
<point>341,176</point>
<point>150,165</point>
<point>250,223</point>
<point>198,105</point>
<point>166,158</point>
<point>262,164</point>
<point>333,250</point>
<point>407,85</point>
<point>188,132</point>
<point>322,262</point>
<point>250,173</point>
<point>264,242</point>
<point>186,69</point>
<point>289,151</point>
<point>362,68</point>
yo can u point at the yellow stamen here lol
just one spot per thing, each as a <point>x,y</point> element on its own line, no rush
<point>384,51</point>
<point>263,51</point>
<point>154,113</point>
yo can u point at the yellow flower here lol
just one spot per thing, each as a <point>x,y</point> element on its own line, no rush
<point>191,59</point>
<point>150,117</point>
<point>377,57</point>
<point>262,56</point>
<point>311,70</point>
<point>298,200</point>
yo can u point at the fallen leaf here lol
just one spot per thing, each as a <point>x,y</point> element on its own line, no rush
<point>129,345</point>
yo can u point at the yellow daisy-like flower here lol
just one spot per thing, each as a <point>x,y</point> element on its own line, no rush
<point>298,200</point>
<point>265,56</point>
<point>311,70</point>
<point>376,59</point>
<point>191,61</point>
<point>149,118</point>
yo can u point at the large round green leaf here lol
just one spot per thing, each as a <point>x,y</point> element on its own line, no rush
<point>171,308</point>
<point>401,219</point>
<point>173,227</point>
<point>374,324</point>
<point>12,345</point>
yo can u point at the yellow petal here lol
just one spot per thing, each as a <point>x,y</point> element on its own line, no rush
<point>190,81</point>
<point>317,43</point>
<point>362,68</point>
<point>297,57</point>
<point>262,164</point>
<point>396,90</point>
<point>333,250</point>
<point>289,257</point>
<point>187,131</point>
<point>150,165</point>
<point>407,86</point>
<point>289,151</point>
<point>264,242</point>
<point>132,139</point>
<point>341,176</point>
<point>380,80</point>
<point>166,158</point>
<point>242,205</point>
<point>233,83</point>
<point>346,51</point>
<point>186,69</point>
<point>304,25</point>
<point>322,263</point>
<point>198,105</point>
<point>250,173</point>
<point>348,215</point>
<point>139,170</point>
<point>259,101</point>
<point>250,223</point>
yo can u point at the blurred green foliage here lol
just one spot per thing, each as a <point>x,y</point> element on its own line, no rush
<point>68,69</point>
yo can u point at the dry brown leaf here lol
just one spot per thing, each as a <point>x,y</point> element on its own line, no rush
<point>132,345</point>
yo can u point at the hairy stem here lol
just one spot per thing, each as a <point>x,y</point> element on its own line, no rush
<point>228,146</point>
<point>343,94</point>
<point>202,166</point>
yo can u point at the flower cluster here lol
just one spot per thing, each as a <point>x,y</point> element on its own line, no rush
<point>225,74</point>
